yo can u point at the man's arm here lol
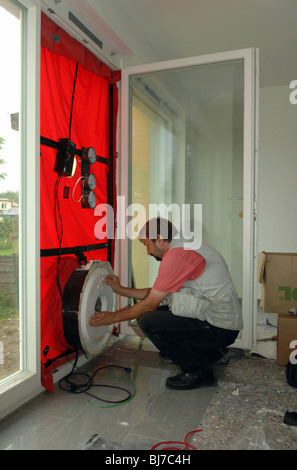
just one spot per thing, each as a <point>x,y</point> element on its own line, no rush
<point>149,303</point>
<point>138,294</point>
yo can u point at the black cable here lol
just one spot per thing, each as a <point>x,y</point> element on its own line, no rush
<point>60,238</point>
<point>59,233</point>
<point>57,204</point>
<point>72,100</point>
<point>71,386</point>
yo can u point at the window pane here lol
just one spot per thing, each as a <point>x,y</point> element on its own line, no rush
<point>187,139</point>
<point>9,188</point>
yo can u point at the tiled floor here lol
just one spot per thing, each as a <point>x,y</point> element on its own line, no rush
<point>155,414</point>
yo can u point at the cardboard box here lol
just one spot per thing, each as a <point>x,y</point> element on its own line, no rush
<point>286,333</point>
<point>277,272</point>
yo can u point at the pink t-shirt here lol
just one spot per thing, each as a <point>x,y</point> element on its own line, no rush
<point>178,266</point>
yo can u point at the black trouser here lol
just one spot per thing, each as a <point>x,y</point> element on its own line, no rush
<point>188,342</point>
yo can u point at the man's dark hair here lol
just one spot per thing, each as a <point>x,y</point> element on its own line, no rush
<point>158,227</point>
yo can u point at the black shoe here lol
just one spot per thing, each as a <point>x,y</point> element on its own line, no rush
<point>190,380</point>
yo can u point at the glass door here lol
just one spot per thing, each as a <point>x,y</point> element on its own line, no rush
<point>19,203</point>
<point>10,195</point>
<point>191,142</point>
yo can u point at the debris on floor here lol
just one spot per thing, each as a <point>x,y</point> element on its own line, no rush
<point>96,442</point>
<point>252,391</point>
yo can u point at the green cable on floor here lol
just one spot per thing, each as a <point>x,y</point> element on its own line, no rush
<point>119,403</point>
<point>75,388</point>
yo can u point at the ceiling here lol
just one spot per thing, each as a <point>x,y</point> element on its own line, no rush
<point>142,31</point>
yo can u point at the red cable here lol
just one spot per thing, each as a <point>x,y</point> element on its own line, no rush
<point>185,443</point>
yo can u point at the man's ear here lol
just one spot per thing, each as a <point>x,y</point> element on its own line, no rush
<point>161,242</point>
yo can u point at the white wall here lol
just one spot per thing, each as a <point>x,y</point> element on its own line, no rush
<point>277,221</point>
<point>215,176</point>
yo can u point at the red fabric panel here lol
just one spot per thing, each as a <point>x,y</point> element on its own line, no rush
<point>51,304</point>
<point>56,40</point>
<point>90,127</point>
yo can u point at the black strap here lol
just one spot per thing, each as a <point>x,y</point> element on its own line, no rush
<point>53,144</point>
<point>73,250</point>
<point>48,142</point>
<point>49,362</point>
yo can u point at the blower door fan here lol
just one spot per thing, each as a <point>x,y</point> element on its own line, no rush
<point>85,293</point>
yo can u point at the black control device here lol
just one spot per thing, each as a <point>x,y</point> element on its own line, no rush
<point>65,157</point>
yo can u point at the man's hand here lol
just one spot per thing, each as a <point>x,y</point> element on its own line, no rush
<point>149,303</point>
<point>114,282</point>
<point>101,319</point>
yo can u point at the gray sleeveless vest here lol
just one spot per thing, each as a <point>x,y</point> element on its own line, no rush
<point>212,296</point>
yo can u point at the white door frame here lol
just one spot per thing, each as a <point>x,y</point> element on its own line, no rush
<point>249,286</point>
<point>24,385</point>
